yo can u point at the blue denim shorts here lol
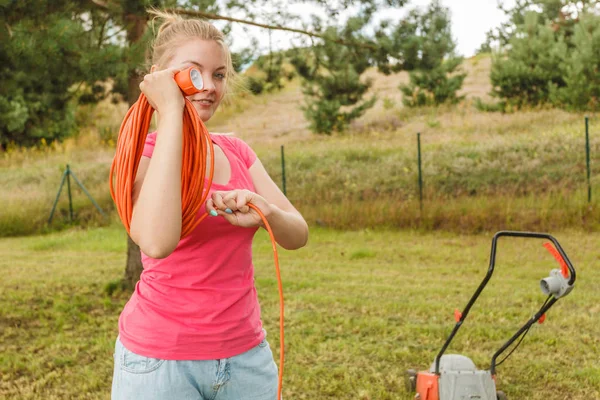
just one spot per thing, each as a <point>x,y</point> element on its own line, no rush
<point>249,376</point>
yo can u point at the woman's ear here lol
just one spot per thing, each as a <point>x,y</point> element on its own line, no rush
<point>153,68</point>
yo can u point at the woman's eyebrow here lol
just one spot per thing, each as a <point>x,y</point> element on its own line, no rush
<point>200,65</point>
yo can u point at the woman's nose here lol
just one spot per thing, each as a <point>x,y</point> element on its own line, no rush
<point>209,84</point>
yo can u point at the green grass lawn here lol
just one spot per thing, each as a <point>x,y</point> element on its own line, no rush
<point>361,308</point>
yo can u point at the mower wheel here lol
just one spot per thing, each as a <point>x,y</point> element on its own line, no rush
<point>411,380</point>
<point>500,395</point>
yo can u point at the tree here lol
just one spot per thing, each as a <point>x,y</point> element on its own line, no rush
<point>562,15</point>
<point>488,45</point>
<point>436,86</point>
<point>434,78</point>
<point>580,69</point>
<point>331,74</point>
<point>548,54</point>
<point>331,82</point>
<point>54,55</point>
<point>272,66</point>
<point>531,65</point>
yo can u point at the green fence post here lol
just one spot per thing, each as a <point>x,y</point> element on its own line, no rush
<point>67,177</point>
<point>88,194</point>
<point>420,172</point>
<point>587,158</point>
<point>283,171</point>
<point>69,191</point>
<point>62,182</point>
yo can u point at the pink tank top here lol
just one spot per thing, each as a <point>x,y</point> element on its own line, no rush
<point>200,302</point>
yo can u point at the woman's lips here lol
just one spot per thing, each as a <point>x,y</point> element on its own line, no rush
<point>204,103</point>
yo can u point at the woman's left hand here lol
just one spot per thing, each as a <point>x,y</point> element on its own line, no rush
<point>233,206</point>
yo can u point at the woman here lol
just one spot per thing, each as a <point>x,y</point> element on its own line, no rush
<point>192,328</point>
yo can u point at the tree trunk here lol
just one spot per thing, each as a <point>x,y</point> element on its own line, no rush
<point>136,25</point>
<point>134,267</point>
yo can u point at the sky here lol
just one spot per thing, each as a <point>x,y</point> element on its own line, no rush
<point>471,19</point>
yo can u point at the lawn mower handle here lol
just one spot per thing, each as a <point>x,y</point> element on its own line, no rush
<point>487,277</point>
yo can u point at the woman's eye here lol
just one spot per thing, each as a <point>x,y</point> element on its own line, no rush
<point>220,75</point>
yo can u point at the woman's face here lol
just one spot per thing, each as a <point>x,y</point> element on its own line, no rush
<point>209,57</point>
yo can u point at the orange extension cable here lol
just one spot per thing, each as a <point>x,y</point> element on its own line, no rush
<point>196,145</point>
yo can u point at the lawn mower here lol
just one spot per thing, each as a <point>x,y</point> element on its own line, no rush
<point>455,376</point>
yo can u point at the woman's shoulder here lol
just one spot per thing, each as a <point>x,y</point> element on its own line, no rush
<point>237,145</point>
<point>149,144</point>
<point>229,139</point>
<point>225,137</point>
<point>151,137</point>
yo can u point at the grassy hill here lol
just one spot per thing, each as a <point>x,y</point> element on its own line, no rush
<point>481,171</point>
<point>277,118</point>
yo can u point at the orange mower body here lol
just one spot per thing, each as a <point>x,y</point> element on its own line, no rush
<point>427,386</point>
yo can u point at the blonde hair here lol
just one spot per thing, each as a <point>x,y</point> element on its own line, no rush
<point>174,29</point>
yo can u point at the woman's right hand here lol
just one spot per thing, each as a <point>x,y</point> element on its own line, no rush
<point>162,91</point>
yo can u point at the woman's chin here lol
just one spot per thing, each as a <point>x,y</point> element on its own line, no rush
<point>204,114</point>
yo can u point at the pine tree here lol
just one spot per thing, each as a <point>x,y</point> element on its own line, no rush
<point>436,79</point>
<point>436,86</point>
<point>531,65</point>
<point>549,55</point>
<point>332,80</point>
<point>52,58</point>
<point>562,15</point>
<point>581,69</point>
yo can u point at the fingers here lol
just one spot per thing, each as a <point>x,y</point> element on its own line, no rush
<point>158,74</point>
<point>162,91</point>
<point>144,81</point>
<point>233,206</point>
<point>161,74</point>
<point>242,202</point>
<point>210,207</point>
<point>174,70</point>
<point>143,89</point>
<point>219,204</point>
<point>230,202</point>
<point>238,200</point>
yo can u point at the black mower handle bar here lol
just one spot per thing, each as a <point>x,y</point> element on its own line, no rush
<point>535,235</point>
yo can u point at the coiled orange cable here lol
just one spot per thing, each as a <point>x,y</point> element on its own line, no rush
<point>196,144</point>
<point>130,146</point>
